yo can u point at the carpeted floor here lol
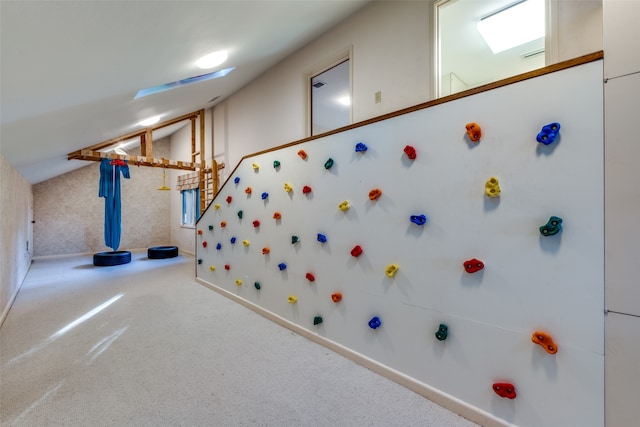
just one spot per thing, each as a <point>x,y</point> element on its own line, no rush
<point>143,345</point>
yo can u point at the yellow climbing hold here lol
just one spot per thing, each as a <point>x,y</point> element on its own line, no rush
<point>216,206</point>
<point>292,299</point>
<point>238,282</point>
<point>212,267</point>
<point>344,205</point>
<point>391,270</point>
<point>287,187</point>
<point>246,242</point>
<point>492,187</point>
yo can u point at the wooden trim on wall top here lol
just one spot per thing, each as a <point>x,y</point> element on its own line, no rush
<point>489,86</point>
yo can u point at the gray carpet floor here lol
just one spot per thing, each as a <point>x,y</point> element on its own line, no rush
<point>142,344</point>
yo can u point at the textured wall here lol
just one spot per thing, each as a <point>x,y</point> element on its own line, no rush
<point>69,215</point>
<point>15,205</point>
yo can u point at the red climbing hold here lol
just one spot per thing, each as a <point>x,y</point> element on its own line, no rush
<point>473,265</point>
<point>310,277</point>
<point>223,224</point>
<point>306,189</point>
<point>204,244</point>
<point>356,251</point>
<point>256,223</point>
<point>227,267</point>
<point>229,199</point>
<point>410,152</point>
<point>506,390</point>
<point>375,193</point>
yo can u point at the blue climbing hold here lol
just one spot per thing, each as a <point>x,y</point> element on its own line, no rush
<point>236,179</point>
<point>375,322</point>
<point>219,246</point>
<point>361,147</point>
<point>282,266</point>
<point>418,219</point>
<point>265,195</point>
<point>233,240</point>
<point>322,238</point>
<point>549,133</point>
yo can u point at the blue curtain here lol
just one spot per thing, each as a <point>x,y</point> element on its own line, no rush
<point>110,190</point>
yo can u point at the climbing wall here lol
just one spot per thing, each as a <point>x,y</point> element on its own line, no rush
<point>348,226</point>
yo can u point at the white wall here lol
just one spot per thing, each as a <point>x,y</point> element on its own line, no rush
<point>622,207</point>
<point>16,213</point>
<point>576,29</point>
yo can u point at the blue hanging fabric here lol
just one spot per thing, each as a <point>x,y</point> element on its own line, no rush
<point>110,190</point>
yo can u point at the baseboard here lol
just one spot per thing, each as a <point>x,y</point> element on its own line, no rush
<point>445,400</point>
<point>12,298</point>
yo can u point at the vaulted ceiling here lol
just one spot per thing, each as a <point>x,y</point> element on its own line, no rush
<point>70,70</point>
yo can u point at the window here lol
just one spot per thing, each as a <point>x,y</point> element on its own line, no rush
<point>190,207</point>
<point>331,99</point>
<point>466,34</point>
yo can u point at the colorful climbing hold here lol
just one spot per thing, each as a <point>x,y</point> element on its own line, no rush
<point>310,277</point>
<point>246,243</point>
<point>255,166</point>
<point>199,261</point>
<point>240,214</point>
<point>549,133</point>
<point>219,246</point>
<point>506,390</point>
<point>264,195</point>
<point>442,332</point>
<point>236,179</point>
<point>276,164</point>
<point>277,215</point>
<point>322,238</point>
<point>233,240</point>
<point>248,190</point>
<point>317,320</point>
<point>336,297</point>
<point>216,206</point>
<point>356,251</point>
<point>227,267</point>
<point>344,205</point>
<point>223,224</point>
<point>302,154</point>
<point>375,322</point>
<point>391,270</point>
<point>410,152</point>
<point>553,226</point>
<point>204,244</point>
<point>294,239</point>
<point>210,227</point>
<point>212,268</point>
<point>418,219</point>
<point>288,187</point>
<point>306,189</point>
<point>256,223</point>
<point>292,299</point>
<point>282,266</point>
<point>238,282</point>
<point>199,231</point>
<point>545,341</point>
<point>473,265</point>
<point>266,250</point>
<point>229,199</point>
<point>492,187</point>
<point>257,285</point>
<point>328,163</point>
<point>474,131</point>
<point>375,193</point>
<point>361,147</point>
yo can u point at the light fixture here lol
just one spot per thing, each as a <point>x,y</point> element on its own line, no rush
<point>514,25</point>
<point>212,59</point>
<point>345,100</point>
<point>150,121</point>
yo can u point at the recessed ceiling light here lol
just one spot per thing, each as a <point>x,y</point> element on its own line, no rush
<point>150,121</point>
<point>345,100</point>
<point>514,25</point>
<point>212,59</point>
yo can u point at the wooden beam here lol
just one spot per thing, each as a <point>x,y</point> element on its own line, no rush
<point>97,156</point>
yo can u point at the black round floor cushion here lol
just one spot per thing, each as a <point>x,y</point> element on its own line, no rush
<point>161,252</point>
<point>102,259</point>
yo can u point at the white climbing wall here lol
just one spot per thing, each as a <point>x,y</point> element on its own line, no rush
<point>553,284</point>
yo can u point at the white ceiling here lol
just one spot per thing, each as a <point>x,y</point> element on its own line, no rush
<point>70,69</point>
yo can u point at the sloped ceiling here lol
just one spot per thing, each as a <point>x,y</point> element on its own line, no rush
<point>70,69</point>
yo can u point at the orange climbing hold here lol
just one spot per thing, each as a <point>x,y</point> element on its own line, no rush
<point>248,190</point>
<point>266,250</point>
<point>277,215</point>
<point>375,193</point>
<point>336,297</point>
<point>474,131</point>
<point>223,224</point>
<point>545,341</point>
<point>302,154</point>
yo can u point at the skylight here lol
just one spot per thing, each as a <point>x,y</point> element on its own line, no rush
<point>168,86</point>
<point>212,60</point>
<point>514,25</point>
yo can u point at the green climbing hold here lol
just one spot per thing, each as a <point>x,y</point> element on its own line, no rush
<point>317,320</point>
<point>442,332</point>
<point>276,163</point>
<point>240,214</point>
<point>328,163</point>
<point>257,285</point>
<point>199,261</point>
<point>294,240</point>
<point>211,227</point>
